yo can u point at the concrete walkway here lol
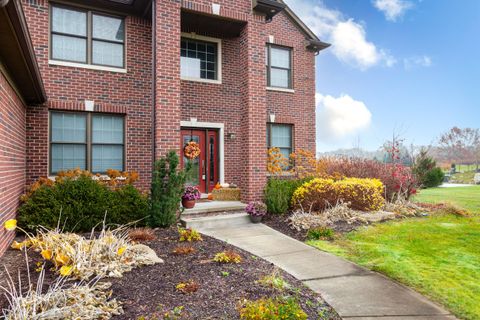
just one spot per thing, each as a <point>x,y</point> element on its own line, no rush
<point>354,292</point>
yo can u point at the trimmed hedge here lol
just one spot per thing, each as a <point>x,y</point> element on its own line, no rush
<point>81,204</point>
<point>278,194</point>
<point>361,194</point>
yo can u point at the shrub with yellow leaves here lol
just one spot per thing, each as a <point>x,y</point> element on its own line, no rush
<point>277,163</point>
<point>361,194</point>
<point>227,256</point>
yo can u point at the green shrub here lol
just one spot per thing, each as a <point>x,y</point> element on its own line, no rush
<point>426,170</point>
<point>278,194</point>
<point>320,233</point>
<point>434,178</point>
<point>81,203</point>
<point>272,309</point>
<point>168,185</point>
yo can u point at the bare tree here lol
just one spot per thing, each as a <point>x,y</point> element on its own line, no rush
<point>462,145</point>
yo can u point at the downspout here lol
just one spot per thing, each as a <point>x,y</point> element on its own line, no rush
<point>154,84</point>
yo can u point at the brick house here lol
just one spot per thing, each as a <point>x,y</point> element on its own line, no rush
<point>128,80</point>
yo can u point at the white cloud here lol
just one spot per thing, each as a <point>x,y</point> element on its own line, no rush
<point>339,117</point>
<point>347,36</point>
<point>392,9</point>
<point>417,61</point>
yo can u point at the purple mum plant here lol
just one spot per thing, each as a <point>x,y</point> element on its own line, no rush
<point>256,209</point>
<point>191,193</point>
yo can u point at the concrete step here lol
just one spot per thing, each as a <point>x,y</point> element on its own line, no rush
<point>214,206</point>
<point>216,222</point>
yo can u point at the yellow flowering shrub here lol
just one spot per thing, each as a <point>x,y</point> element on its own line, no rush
<point>360,194</point>
<point>277,163</point>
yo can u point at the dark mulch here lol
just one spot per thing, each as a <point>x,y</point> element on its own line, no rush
<point>150,291</point>
<point>280,223</point>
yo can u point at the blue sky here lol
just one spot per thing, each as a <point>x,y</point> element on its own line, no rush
<point>409,66</point>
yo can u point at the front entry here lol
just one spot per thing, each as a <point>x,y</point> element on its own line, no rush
<point>204,173</point>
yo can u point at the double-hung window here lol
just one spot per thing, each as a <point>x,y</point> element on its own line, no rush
<point>87,37</point>
<point>199,59</point>
<point>279,67</point>
<point>87,141</point>
<point>280,136</point>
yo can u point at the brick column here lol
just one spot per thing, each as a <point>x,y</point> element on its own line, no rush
<point>167,81</point>
<point>254,115</point>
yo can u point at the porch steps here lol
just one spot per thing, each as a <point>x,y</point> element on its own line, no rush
<point>216,221</point>
<point>212,207</point>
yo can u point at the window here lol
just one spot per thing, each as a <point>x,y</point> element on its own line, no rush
<point>87,141</point>
<point>280,136</point>
<point>87,37</point>
<point>279,67</point>
<point>199,59</point>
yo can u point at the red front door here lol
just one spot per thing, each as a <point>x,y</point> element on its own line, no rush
<point>204,173</point>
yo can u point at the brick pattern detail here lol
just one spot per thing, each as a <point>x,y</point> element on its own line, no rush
<point>67,88</point>
<point>12,157</point>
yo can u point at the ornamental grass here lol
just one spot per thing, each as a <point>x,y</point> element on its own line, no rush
<point>109,254</point>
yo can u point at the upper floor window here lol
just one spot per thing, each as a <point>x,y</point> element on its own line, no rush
<point>93,142</point>
<point>279,67</point>
<point>87,37</point>
<point>200,59</point>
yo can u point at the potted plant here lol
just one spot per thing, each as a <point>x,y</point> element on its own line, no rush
<point>189,196</point>
<point>256,210</point>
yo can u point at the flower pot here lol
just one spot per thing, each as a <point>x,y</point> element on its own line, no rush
<point>256,219</point>
<point>188,204</point>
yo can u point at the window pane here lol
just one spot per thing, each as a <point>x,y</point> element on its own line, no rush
<point>108,28</point>
<point>107,157</point>
<point>68,156</point>
<point>279,78</point>
<point>280,57</point>
<point>286,152</point>
<point>69,21</point>
<point>107,129</point>
<point>190,67</point>
<point>69,48</point>
<point>69,127</point>
<point>198,59</point>
<point>108,54</point>
<point>281,136</point>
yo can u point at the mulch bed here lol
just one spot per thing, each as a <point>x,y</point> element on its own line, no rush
<point>280,223</point>
<point>150,291</point>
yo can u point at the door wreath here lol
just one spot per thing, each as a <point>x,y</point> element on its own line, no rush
<point>191,150</point>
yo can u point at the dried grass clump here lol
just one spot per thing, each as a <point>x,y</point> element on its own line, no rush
<point>79,301</point>
<point>109,254</point>
<point>404,207</point>
<point>141,234</point>
<point>301,220</point>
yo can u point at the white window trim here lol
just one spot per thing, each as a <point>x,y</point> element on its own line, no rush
<point>281,89</point>
<point>86,66</point>
<point>221,134</point>
<point>219,57</point>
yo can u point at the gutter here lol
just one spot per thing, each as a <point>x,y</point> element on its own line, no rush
<point>154,85</point>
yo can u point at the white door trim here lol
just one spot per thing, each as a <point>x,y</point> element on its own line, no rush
<point>221,130</point>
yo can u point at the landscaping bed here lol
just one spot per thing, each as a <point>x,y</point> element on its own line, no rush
<point>151,291</point>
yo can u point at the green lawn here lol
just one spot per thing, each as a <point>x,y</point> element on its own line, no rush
<point>465,197</point>
<point>438,255</point>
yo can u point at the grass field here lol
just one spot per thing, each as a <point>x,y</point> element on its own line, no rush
<point>438,255</point>
<point>465,197</point>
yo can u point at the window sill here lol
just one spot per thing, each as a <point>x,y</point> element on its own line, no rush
<point>201,80</point>
<point>86,66</point>
<point>281,89</point>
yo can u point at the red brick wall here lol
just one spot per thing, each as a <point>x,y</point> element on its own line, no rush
<point>295,108</point>
<point>241,102</point>
<point>12,156</point>
<point>67,87</point>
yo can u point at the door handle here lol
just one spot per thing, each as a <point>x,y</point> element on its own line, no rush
<point>203,170</point>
